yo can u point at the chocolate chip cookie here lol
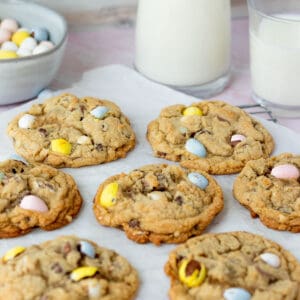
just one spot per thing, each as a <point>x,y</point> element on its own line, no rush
<point>66,131</point>
<point>35,196</point>
<point>209,135</point>
<point>159,203</point>
<point>270,189</point>
<point>66,268</point>
<point>232,266</point>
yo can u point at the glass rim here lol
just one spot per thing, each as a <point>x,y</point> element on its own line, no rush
<point>252,5</point>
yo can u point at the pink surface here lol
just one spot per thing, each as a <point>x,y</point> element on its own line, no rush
<point>92,47</point>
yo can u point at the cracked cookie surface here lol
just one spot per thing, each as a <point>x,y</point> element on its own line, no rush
<point>158,203</point>
<point>276,201</point>
<point>238,264</point>
<point>66,131</point>
<point>35,196</point>
<point>67,268</point>
<point>223,137</point>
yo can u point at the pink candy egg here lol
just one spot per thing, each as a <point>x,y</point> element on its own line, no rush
<point>35,203</point>
<point>4,35</point>
<point>237,138</point>
<point>9,24</point>
<point>287,171</point>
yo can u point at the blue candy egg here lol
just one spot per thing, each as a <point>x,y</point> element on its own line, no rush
<point>236,294</point>
<point>195,147</point>
<point>40,34</point>
<point>198,180</point>
<point>99,112</point>
<point>87,249</point>
<point>18,158</point>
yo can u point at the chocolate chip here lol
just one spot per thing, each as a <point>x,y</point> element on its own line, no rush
<point>179,200</point>
<point>56,268</point>
<point>134,223</point>
<point>67,248</point>
<point>43,131</point>
<point>82,108</point>
<point>104,127</point>
<point>191,267</point>
<point>14,170</point>
<point>161,154</point>
<point>99,147</point>
<point>81,118</point>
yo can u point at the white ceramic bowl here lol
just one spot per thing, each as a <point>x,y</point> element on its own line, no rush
<point>23,78</point>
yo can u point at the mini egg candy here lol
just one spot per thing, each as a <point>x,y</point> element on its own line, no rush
<point>99,112</point>
<point>191,272</point>
<point>19,36</point>
<point>87,249</point>
<point>9,46</point>
<point>94,290</point>
<point>23,52</point>
<point>83,140</point>
<point>26,121</point>
<point>2,176</point>
<point>40,34</point>
<point>195,147</point>
<point>192,111</point>
<point>31,202</point>
<point>286,171</point>
<point>40,49</point>
<point>61,146</point>
<point>18,158</point>
<point>5,54</point>
<point>83,272</point>
<point>236,294</point>
<point>12,253</point>
<point>237,138</point>
<point>4,35</point>
<point>9,24</point>
<point>47,44</point>
<point>29,43</point>
<point>199,180</point>
<point>109,194</point>
<point>271,259</point>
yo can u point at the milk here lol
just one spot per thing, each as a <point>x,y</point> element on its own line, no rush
<point>183,42</point>
<point>275,60</point>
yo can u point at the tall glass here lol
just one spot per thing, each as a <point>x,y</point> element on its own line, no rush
<point>185,44</point>
<point>275,54</point>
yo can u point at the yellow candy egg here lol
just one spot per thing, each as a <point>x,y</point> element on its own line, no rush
<point>109,194</point>
<point>191,272</point>
<point>10,254</point>
<point>192,111</point>
<point>6,54</point>
<point>83,272</point>
<point>61,146</point>
<point>19,36</point>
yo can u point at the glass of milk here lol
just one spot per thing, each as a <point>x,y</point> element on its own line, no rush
<point>185,44</point>
<point>275,55</point>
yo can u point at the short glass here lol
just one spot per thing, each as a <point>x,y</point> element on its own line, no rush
<point>275,55</point>
<point>185,44</point>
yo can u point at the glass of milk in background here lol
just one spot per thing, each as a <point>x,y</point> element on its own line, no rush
<point>185,44</point>
<point>275,55</point>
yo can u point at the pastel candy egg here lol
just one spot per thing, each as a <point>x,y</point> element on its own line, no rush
<point>5,54</point>
<point>87,249</point>
<point>61,146</point>
<point>83,140</point>
<point>2,176</point>
<point>9,24</point>
<point>99,112</point>
<point>9,46</point>
<point>40,34</point>
<point>236,294</point>
<point>40,49</point>
<point>22,52</point>
<point>31,202</point>
<point>47,44</point>
<point>195,147</point>
<point>237,138</point>
<point>191,272</point>
<point>12,253</point>
<point>271,259</point>
<point>192,111</point>
<point>45,94</point>
<point>4,35</point>
<point>94,290</point>
<point>83,272</point>
<point>29,43</point>
<point>26,121</point>
<point>286,171</point>
<point>109,195</point>
<point>19,36</point>
<point>198,180</point>
<point>18,158</point>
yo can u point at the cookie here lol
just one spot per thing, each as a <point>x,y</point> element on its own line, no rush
<point>270,189</point>
<point>232,266</point>
<point>158,203</point>
<point>66,131</point>
<point>35,196</point>
<point>66,268</point>
<point>209,135</point>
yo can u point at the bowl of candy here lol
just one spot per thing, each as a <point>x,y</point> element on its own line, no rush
<point>32,45</point>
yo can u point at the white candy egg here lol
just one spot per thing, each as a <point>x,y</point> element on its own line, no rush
<point>26,121</point>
